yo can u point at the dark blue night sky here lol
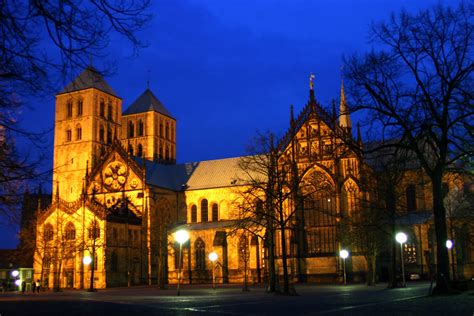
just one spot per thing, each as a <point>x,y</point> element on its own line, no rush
<point>225,69</point>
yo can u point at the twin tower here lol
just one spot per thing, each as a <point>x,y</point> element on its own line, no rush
<point>89,119</point>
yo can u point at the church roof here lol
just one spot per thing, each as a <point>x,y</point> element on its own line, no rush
<point>89,78</point>
<point>147,101</point>
<point>196,175</point>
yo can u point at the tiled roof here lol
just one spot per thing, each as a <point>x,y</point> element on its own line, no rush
<point>147,101</point>
<point>89,78</point>
<point>196,175</point>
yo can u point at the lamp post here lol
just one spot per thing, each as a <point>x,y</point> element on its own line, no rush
<point>213,258</point>
<point>344,254</point>
<point>402,238</point>
<point>181,236</point>
<point>449,245</point>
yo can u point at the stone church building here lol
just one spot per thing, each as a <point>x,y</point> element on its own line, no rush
<point>119,195</point>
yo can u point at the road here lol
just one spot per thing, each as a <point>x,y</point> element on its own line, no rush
<point>312,299</point>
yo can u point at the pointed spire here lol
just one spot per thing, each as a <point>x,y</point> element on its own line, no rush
<point>344,116</point>
<point>311,87</point>
<point>359,135</point>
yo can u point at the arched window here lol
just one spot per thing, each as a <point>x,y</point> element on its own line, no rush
<point>411,198</point>
<point>131,129</point>
<point>70,231</point>
<point>101,133</point>
<point>140,150</point>
<point>204,211</point>
<point>167,130</point>
<point>109,111</point>
<point>109,135</point>
<point>114,261</point>
<point>200,250</point>
<point>161,129</point>
<point>102,108</point>
<point>68,135</point>
<point>79,107</point>
<point>140,128</point>
<point>69,108</point>
<point>94,230</point>
<point>167,152</point>
<point>78,132</point>
<point>215,213</point>
<point>48,232</point>
<point>194,214</point>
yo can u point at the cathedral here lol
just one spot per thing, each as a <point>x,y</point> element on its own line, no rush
<point>118,197</point>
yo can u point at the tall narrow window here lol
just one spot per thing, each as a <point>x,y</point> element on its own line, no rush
<point>167,153</point>
<point>204,211</point>
<point>140,128</point>
<point>161,129</point>
<point>78,132</point>
<point>70,231</point>
<point>140,150</point>
<point>109,111</point>
<point>194,213</point>
<point>200,250</point>
<point>94,230</point>
<point>79,107</point>
<point>68,135</point>
<point>69,108</point>
<point>131,128</point>
<point>109,135</point>
<point>161,152</point>
<point>102,108</point>
<point>215,213</point>
<point>48,232</point>
<point>101,133</point>
<point>172,132</point>
<point>167,130</point>
<point>411,198</point>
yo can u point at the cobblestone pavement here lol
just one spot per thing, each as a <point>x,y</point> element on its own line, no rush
<point>202,299</point>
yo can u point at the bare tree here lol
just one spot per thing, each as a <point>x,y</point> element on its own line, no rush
<point>42,44</point>
<point>417,89</point>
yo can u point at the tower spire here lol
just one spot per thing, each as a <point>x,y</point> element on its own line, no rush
<point>344,116</point>
<point>311,86</point>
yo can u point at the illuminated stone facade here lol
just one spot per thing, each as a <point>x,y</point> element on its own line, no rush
<point>118,196</point>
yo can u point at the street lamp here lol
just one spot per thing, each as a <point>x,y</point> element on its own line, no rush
<point>344,254</point>
<point>402,238</point>
<point>449,245</point>
<point>15,273</point>
<point>181,236</point>
<point>87,260</point>
<point>213,258</point>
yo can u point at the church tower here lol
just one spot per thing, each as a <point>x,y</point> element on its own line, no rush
<point>344,115</point>
<point>149,130</point>
<point>87,120</point>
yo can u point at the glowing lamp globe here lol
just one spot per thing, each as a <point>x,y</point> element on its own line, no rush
<point>344,253</point>
<point>15,273</point>
<point>401,237</point>
<point>181,236</point>
<point>449,244</point>
<point>213,256</point>
<point>18,282</point>
<point>86,260</point>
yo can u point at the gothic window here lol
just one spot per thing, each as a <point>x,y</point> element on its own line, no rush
<point>167,130</point>
<point>79,107</point>
<point>68,135</point>
<point>102,108</point>
<point>140,150</point>
<point>69,108</point>
<point>109,135</point>
<point>48,232</point>
<point>101,133</point>
<point>200,254</point>
<point>411,198</point>
<point>161,130</point>
<point>204,211</point>
<point>131,128</point>
<point>161,152</point>
<point>114,261</point>
<point>167,152</point>
<point>94,230</point>
<point>172,132</point>
<point>140,128</point>
<point>109,111</point>
<point>215,212</point>
<point>78,132</point>
<point>193,214</point>
<point>321,240</point>
<point>350,198</point>
<point>70,231</point>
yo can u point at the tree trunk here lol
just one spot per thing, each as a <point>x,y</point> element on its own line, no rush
<point>442,259</point>
<point>271,261</point>
<point>286,284</point>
